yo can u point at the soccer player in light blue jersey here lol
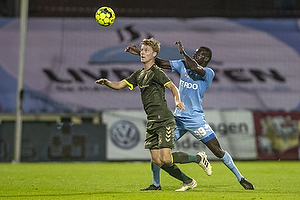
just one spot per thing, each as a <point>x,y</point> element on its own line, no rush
<point>195,78</point>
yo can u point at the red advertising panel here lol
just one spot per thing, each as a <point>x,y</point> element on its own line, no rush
<point>277,135</point>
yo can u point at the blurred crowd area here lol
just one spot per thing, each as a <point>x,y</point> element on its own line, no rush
<point>158,8</point>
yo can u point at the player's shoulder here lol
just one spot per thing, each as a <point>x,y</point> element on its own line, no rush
<point>209,70</point>
<point>156,68</point>
<point>137,72</point>
<point>209,74</point>
<point>177,62</point>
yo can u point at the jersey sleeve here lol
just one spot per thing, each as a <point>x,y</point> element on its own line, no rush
<point>176,65</point>
<point>161,77</point>
<point>209,75</point>
<point>132,80</point>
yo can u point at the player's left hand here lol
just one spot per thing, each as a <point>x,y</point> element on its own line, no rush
<point>133,49</point>
<point>180,105</point>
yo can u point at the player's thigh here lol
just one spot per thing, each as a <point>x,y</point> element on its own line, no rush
<point>151,141</point>
<point>179,132</point>
<point>179,129</point>
<point>166,134</point>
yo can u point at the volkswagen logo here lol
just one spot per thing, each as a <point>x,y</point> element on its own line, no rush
<point>124,134</point>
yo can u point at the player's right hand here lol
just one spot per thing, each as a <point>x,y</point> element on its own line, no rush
<point>180,47</point>
<point>180,105</point>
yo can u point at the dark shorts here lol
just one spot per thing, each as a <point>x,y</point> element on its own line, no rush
<point>160,135</point>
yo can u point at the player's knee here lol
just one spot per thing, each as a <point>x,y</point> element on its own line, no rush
<point>166,160</point>
<point>156,161</point>
<point>219,152</point>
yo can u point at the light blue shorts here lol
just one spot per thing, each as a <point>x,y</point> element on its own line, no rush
<point>199,128</point>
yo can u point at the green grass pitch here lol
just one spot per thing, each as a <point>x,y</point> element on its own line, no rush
<point>123,180</point>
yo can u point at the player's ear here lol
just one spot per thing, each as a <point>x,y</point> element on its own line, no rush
<point>206,59</point>
<point>155,53</point>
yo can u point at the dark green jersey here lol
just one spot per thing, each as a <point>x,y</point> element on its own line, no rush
<point>152,84</point>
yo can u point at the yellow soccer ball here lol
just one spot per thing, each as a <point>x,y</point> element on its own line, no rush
<point>105,16</point>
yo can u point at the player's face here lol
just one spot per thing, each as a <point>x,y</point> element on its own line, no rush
<point>199,56</point>
<point>147,54</point>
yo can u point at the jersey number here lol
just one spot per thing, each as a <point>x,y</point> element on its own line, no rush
<point>200,132</point>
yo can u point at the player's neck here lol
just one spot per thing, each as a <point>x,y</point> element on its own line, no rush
<point>148,64</point>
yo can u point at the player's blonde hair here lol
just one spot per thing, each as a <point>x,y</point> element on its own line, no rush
<point>155,44</point>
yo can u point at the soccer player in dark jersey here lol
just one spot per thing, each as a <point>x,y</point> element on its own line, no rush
<point>195,78</point>
<point>152,81</point>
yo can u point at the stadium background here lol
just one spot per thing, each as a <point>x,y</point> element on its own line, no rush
<point>64,130</point>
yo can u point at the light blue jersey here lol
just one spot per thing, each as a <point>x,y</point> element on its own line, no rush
<point>191,89</point>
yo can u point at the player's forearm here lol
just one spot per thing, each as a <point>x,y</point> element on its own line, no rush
<point>165,64</point>
<point>175,94</point>
<point>115,85</point>
<point>180,105</point>
<point>111,85</point>
<point>193,65</point>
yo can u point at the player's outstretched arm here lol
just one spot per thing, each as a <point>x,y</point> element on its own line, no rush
<point>113,85</point>
<point>134,49</point>
<point>191,63</point>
